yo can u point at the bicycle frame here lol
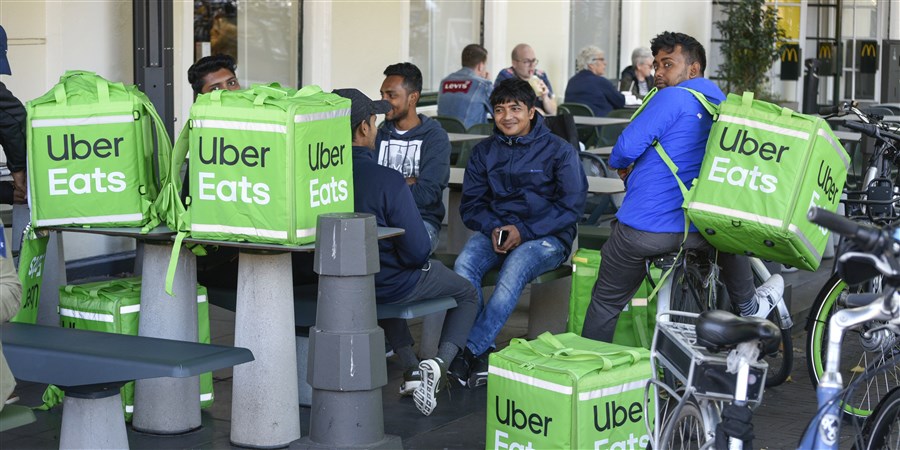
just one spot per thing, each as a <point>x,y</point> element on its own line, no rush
<point>825,434</point>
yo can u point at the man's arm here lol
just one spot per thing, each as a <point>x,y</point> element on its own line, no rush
<point>434,169</point>
<point>12,138</point>
<point>614,97</point>
<point>475,205</point>
<point>548,100</point>
<point>568,202</point>
<point>646,128</point>
<point>413,246</point>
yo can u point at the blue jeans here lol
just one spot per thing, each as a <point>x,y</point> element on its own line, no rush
<point>525,263</point>
<point>434,235</point>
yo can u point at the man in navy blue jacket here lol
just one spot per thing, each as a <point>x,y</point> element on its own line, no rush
<point>588,85</point>
<point>523,192</point>
<point>406,275</point>
<point>651,220</point>
<point>414,145</point>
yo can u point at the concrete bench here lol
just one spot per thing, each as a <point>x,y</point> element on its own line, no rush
<point>14,416</point>
<point>548,310</point>
<point>91,367</point>
<point>305,306</point>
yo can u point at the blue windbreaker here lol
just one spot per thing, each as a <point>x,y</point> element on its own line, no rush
<point>677,119</point>
<point>534,182</point>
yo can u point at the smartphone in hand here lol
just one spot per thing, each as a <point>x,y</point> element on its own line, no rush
<point>501,237</point>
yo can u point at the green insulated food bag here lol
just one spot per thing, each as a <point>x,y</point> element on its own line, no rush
<point>90,153</point>
<point>265,162</point>
<point>764,167</point>
<point>114,307</point>
<point>636,322</point>
<point>565,391</point>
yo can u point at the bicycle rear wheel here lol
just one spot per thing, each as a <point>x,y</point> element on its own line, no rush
<point>858,352</point>
<point>684,430</point>
<point>882,428</point>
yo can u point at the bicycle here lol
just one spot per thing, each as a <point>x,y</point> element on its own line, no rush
<point>693,286</point>
<point>711,397</point>
<point>874,253</point>
<point>876,202</point>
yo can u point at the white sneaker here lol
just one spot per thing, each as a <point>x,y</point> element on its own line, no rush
<point>768,295</point>
<point>432,383</point>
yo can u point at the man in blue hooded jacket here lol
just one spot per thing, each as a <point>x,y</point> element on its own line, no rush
<point>406,275</point>
<point>523,192</point>
<point>414,145</point>
<point>651,220</point>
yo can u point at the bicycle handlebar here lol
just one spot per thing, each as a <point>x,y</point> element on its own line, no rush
<point>871,130</point>
<point>867,238</point>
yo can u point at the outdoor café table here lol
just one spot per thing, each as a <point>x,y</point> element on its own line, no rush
<point>162,405</point>
<point>264,408</point>
<point>463,137</point>
<point>600,151</point>
<point>600,121</point>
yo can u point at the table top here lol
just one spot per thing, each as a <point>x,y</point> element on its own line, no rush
<point>462,137</point>
<point>601,151</point>
<point>160,233</point>
<point>596,185</point>
<point>383,233</point>
<point>600,121</point>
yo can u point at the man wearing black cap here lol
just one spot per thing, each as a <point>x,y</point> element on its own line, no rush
<point>12,133</point>
<point>407,275</point>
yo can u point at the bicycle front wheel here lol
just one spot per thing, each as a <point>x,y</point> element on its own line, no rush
<point>882,428</point>
<point>859,353</point>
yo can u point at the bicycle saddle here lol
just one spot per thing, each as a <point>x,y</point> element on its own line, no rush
<point>719,330</point>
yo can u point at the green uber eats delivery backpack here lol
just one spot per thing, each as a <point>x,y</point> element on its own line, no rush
<point>90,153</point>
<point>765,166</point>
<point>264,163</point>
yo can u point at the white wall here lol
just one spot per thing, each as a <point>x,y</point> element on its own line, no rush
<point>46,38</point>
<point>642,20</point>
<point>544,25</point>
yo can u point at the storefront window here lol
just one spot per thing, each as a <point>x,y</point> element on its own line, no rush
<point>438,33</point>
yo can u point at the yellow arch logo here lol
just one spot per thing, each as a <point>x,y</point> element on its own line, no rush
<point>868,50</point>
<point>790,55</point>
<point>824,51</point>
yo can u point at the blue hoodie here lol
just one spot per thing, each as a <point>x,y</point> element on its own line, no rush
<point>383,192</point>
<point>422,152</point>
<point>534,182</point>
<point>680,123</point>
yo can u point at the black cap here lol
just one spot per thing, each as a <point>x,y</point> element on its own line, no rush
<point>361,106</point>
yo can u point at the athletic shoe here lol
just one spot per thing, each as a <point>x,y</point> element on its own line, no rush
<point>478,375</point>
<point>433,381</point>
<point>459,367</point>
<point>768,295</point>
<point>412,379</point>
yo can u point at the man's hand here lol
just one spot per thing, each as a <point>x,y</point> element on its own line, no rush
<point>411,181</point>
<point>20,187</point>
<point>513,239</point>
<point>545,91</point>
<point>623,173</point>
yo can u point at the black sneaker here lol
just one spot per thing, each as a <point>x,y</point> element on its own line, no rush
<point>459,367</point>
<point>412,378</point>
<point>433,382</point>
<point>478,375</point>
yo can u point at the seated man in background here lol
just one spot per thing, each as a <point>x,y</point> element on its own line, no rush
<point>523,192</point>
<point>588,85</point>
<point>211,73</point>
<point>12,136</point>
<point>524,67</point>
<point>465,94</point>
<point>414,145</point>
<point>10,296</point>
<point>638,77</point>
<point>406,275</point>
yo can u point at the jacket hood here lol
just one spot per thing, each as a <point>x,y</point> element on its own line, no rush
<point>538,130</point>
<point>428,125</point>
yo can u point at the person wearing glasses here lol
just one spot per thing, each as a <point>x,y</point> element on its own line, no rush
<point>588,85</point>
<point>524,66</point>
<point>638,77</point>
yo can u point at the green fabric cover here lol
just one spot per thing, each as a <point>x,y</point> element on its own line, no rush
<point>264,163</point>
<point>90,153</point>
<point>566,391</point>
<point>31,274</point>
<point>636,322</point>
<point>114,307</point>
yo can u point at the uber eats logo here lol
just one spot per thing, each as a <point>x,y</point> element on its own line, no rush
<point>70,147</point>
<point>741,145</point>
<point>253,189</point>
